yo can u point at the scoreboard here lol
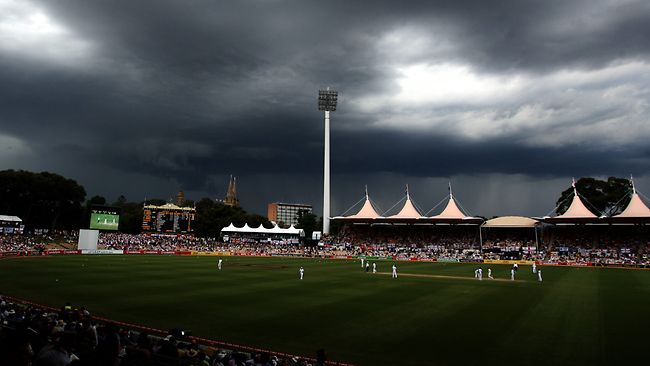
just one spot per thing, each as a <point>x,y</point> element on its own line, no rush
<point>168,218</point>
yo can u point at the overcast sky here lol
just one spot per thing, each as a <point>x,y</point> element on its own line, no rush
<point>508,99</point>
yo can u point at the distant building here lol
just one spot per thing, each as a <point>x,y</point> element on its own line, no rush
<point>231,194</point>
<point>286,213</point>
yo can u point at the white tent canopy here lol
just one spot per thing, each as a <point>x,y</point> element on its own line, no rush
<point>10,218</point>
<point>275,230</point>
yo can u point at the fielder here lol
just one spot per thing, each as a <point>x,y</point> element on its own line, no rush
<point>367,267</point>
<point>302,273</point>
<point>512,274</point>
<point>480,274</point>
<point>490,274</point>
<point>534,268</point>
<point>539,275</point>
<point>219,264</point>
<point>394,271</point>
<point>374,267</point>
<point>362,262</point>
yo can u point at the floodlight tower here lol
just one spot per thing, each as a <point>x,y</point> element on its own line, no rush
<point>327,100</point>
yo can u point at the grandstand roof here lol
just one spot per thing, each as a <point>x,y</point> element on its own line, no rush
<point>367,213</point>
<point>408,211</point>
<point>452,214</point>
<point>636,208</point>
<point>576,213</point>
<point>409,214</point>
<point>451,211</point>
<point>511,221</point>
<point>635,212</point>
<point>577,209</point>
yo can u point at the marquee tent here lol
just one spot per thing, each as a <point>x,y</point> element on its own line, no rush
<point>275,230</point>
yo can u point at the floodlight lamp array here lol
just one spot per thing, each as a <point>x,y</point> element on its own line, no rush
<point>327,100</point>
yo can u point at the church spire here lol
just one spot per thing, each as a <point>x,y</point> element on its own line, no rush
<point>231,194</point>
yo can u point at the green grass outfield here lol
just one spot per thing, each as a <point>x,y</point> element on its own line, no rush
<point>577,316</point>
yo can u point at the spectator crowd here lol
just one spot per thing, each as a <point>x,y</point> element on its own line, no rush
<point>31,335</point>
<point>561,246</point>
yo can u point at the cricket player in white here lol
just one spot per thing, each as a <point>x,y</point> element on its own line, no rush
<point>302,273</point>
<point>394,271</point>
<point>374,267</point>
<point>490,273</point>
<point>512,274</point>
<point>539,275</point>
<point>362,260</point>
<point>219,264</point>
<point>476,273</point>
<point>534,268</point>
<point>480,274</point>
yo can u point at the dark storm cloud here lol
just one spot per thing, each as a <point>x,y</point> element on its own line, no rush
<point>189,91</point>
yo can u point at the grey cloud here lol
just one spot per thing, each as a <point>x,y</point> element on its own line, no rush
<point>181,94</point>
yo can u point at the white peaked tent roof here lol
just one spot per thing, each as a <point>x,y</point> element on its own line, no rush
<point>262,230</point>
<point>576,213</point>
<point>636,208</point>
<point>453,214</point>
<point>366,212</point>
<point>408,211</point>
<point>451,211</point>
<point>577,210</point>
<point>410,214</point>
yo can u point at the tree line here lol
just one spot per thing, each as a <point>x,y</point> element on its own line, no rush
<point>50,201</point>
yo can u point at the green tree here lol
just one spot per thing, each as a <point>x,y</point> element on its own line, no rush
<point>610,196</point>
<point>155,202</point>
<point>188,203</point>
<point>121,200</point>
<point>308,222</point>
<point>41,200</point>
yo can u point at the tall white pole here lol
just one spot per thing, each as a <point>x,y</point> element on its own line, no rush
<point>326,177</point>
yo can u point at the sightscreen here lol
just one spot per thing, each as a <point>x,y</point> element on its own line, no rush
<point>104,218</point>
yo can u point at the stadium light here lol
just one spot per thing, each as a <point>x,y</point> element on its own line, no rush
<point>327,100</point>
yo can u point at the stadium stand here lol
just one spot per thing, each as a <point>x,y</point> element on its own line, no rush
<point>579,246</point>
